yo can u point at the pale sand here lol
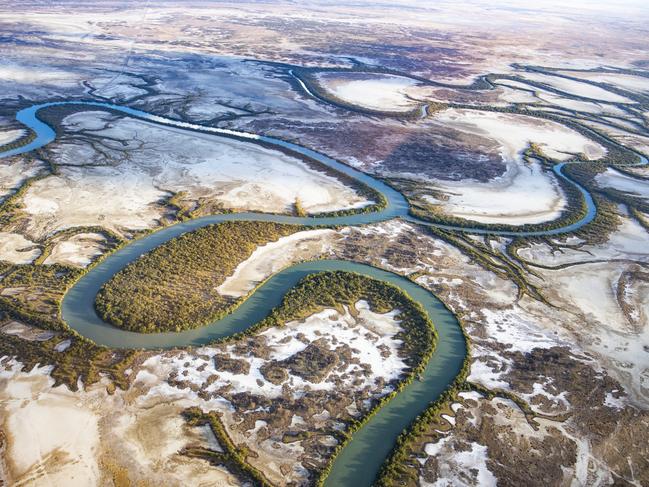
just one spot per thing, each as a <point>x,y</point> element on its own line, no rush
<point>20,73</point>
<point>375,359</point>
<point>513,95</point>
<point>26,332</point>
<point>576,88</point>
<point>590,293</point>
<point>561,101</point>
<point>50,440</point>
<point>579,105</point>
<point>625,81</point>
<point>374,91</point>
<point>8,136</point>
<point>637,142</point>
<point>516,132</point>
<point>365,332</point>
<point>241,175</point>
<point>470,463</point>
<point>14,171</point>
<point>92,196</point>
<point>12,249</point>
<point>590,289</point>
<point>127,196</point>
<point>150,438</point>
<point>58,437</point>
<point>628,241</point>
<point>620,181</point>
<point>78,250</point>
<point>505,199</point>
<point>274,256</point>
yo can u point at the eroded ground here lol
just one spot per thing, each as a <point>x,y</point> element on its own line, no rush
<point>285,394</point>
<point>558,386</point>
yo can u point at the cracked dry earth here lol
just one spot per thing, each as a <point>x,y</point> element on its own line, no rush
<point>286,393</point>
<point>558,389</point>
<point>590,406</point>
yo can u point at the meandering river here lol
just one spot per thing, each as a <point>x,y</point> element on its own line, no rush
<point>360,460</point>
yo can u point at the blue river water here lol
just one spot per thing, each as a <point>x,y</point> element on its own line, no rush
<point>358,463</point>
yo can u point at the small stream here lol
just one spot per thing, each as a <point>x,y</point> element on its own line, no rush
<point>360,460</point>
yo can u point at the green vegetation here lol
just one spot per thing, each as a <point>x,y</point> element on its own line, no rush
<point>398,467</point>
<point>178,206</point>
<point>606,221</point>
<point>332,290</point>
<point>113,240</point>
<point>607,218</point>
<point>402,467</point>
<point>308,77</point>
<point>24,140</point>
<point>582,172</point>
<point>81,360</point>
<point>575,210</point>
<point>233,458</point>
<point>33,293</point>
<point>39,291</point>
<point>298,209</point>
<point>173,287</point>
<point>641,218</point>
<point>11,205</point>
<point>586,174</point>
<point>336,288</point>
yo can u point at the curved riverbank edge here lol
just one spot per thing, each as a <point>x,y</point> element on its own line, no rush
<point>312,88</point>
<point>373,441</point>
<point>361,458</point>
<point>393,203</point>
<point>358,462</point>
